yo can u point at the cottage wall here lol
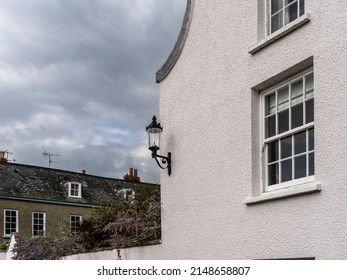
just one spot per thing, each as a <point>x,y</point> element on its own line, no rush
<point>57,216</point>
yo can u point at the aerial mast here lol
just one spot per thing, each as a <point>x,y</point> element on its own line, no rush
<point>49,155</point>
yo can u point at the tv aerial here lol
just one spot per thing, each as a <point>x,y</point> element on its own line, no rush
<point>49,155</point>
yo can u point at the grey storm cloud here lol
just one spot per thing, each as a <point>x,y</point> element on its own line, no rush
<point>77,78</point>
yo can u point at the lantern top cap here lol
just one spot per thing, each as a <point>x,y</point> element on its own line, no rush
<point>154,124</point>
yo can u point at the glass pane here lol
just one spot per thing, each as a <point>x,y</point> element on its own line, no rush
<point>309,111</point>
<point>300,143</point>
<point>291,13</point>
<point>309,86</point>
<point>270,104</point>
<point>297,116</point>
<point>283,97</point>
<point>276,22</point>
<point>297,89</point>
<point>273,174</point>
<point>311,139</point>
<point>300,167</point>
<point>283,121</point>
<point>286,147</point>
<point>286,2</point>
<point>286,169</point>
<point>273,151</point>
<point>276,5</point>
<point>302,7</point>
<point>311,164</point>
<point>270,126</point>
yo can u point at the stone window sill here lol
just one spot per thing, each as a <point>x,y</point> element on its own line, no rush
<point>280,33</point>
<point>283,193</point>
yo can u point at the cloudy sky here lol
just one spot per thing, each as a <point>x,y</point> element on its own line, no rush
<point>77,79</point>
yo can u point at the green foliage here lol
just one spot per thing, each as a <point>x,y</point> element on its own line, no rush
<point>46,247</point>
<point>39,248</point>
<point>126,224</point>
<point>3,246</point>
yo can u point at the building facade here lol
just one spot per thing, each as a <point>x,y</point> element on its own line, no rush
<point>253,102</point>
<point>39,201</point>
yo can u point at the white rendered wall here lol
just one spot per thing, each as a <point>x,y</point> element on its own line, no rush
<point>152,252</point>
<point>209,113</point>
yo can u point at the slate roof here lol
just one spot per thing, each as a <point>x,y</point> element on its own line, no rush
<point>27,182</point>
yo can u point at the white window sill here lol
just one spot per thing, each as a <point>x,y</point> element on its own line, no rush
<point>280,33</point>
<point>283,193</point>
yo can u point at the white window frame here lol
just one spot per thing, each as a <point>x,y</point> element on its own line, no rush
<point>126,194</point>
<point>33,223</point>
<point>73,228</point>
<point>269,15</point>
<point>17,222</point>
<point>264,150</point>
<point>79,189</point>
<point>267,37</point>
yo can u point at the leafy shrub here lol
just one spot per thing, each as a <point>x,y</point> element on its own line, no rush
<point>120,225</point>
<point>3,246</point>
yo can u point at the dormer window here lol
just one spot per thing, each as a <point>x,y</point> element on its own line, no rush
<point>75,189</point>
<point>126,194</point>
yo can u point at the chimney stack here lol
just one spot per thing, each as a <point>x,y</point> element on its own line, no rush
<point>83,171</point>
<point>132,176</point>
<point>2,156</point>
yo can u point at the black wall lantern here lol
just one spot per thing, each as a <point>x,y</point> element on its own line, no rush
<point>154,131</point>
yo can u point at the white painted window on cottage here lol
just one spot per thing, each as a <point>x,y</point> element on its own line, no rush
<point>75,221</point>
<point>75,189</point>
<point>126,194</point>
<point>10,222</point>
<point>283,12</point>
<point>288,133</point>
<point>38,224</point>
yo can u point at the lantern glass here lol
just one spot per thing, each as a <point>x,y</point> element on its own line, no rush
<point>154,138</point>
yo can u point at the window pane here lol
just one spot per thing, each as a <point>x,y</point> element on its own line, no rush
<point>286,169</point>
<point>270,104</point>
<point>273,151</point>
<point>10,221</point>
<point>283,98</point>
<point>286,147</point>
<point>273,174</point>
<point>276,5</point>
<point>300,143</point>
<point>297,90</point>
<point>300,167</point>
<point>309,111</point>
<point>311,164</point>
<point>283,121</point>
<point>311,139</point>
<point>276,22</point>
<point>286,2</point>
<point>291,12</point>
<point>297,116</point>
<point>302,7</point>
<point>309,86</point>
<point>270,126</point>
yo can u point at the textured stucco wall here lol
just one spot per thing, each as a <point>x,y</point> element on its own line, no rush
<point>209,113</point>
<point>152,252</point>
